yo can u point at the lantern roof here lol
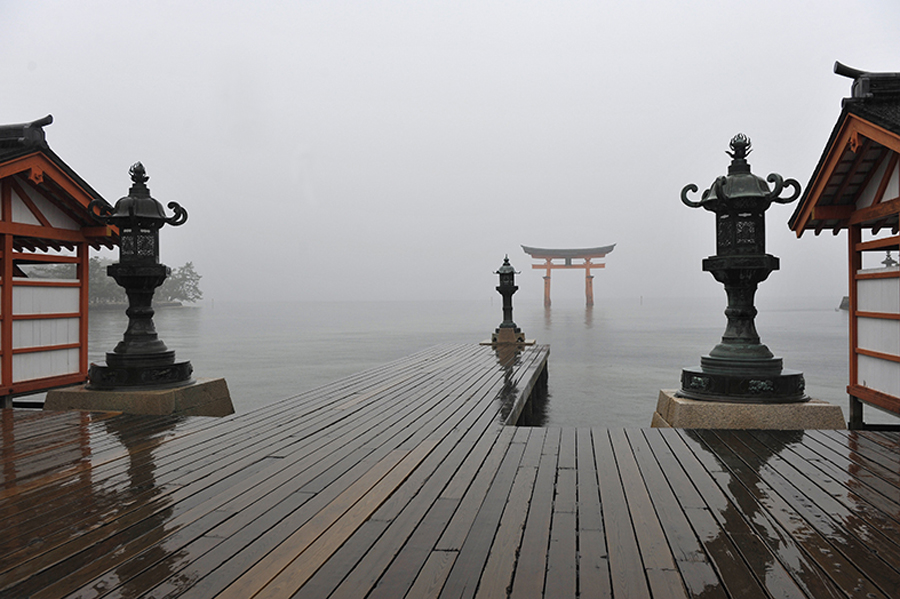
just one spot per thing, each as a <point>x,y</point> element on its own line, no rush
<point>50,199</point>
<point>740,183</point>
<point>506,268</point>
<point>859,159</point>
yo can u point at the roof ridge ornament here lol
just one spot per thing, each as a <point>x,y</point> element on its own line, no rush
<point>868,85</point>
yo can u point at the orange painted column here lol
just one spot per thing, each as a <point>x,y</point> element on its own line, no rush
<point>6,299</point>
<point>83,273</point>
<point>547,284</point>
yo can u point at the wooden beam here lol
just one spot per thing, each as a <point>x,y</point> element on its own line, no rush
<point>45,258</point>
<point>876,398</point>
<point>24,230</point>
<point>832,212</point>
<point>876,212</point>
<point>878,315</point>
<point>878,244</point>
<point>48,316</point>
<point>567,266</point>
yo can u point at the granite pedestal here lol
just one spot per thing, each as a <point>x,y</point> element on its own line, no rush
<point>203,397</point>
<point>680,412</point>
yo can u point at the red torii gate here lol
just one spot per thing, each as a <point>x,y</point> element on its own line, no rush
<point>567,255</point>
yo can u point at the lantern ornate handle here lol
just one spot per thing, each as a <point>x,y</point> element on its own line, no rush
<point>780,184</point>
<point>180,216</point>
<point>690,187</point>
<point>719,185</point>
<point>104,210</point>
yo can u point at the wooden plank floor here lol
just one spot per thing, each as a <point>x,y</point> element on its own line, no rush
<point>405,481</point>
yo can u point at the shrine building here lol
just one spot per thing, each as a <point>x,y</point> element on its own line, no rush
<point>856,187</point>
<point>44,221</point>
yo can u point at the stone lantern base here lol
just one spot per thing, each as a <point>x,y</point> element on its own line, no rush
<point>203,397</point>
<point>680,412</point>
<point>744,384</point>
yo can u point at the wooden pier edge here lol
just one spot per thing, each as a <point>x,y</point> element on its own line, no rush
<point>406,481</point>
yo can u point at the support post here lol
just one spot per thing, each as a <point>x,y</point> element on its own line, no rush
<point>856,414</point>
<point>588,283</point>
<point>547,290</point>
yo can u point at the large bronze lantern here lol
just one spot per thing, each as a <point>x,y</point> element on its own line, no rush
<point>141,359</point>
<point>740,368</point>
<point>507,332</point>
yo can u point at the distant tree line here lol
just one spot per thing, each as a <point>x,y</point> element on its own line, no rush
<point>182,284</point>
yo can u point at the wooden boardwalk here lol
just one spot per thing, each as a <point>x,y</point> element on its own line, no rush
<point>404,481</point>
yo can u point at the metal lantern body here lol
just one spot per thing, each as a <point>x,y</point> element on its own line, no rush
<point>740,368</point>
<point>141,359</point>
<point>507,332</point>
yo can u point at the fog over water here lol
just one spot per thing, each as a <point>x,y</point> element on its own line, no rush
<point>397,150</point>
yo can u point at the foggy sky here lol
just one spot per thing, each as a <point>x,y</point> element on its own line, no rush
<point>398,150</point>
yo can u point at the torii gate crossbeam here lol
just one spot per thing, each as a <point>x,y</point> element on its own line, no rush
<point>567,256</point>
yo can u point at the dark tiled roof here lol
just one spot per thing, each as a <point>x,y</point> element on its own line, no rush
<point>875,98</point>
<point>27,138</point>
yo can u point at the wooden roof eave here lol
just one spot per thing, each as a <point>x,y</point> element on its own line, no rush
<point>847,132</point>
<point>36,165</point>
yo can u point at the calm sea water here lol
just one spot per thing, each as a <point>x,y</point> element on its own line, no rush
<point>607,364</point>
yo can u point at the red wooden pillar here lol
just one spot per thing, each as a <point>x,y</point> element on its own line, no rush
<point>6,303</point>
<point>588,283</point>
<point>547,284</point>
<point>83,274</point>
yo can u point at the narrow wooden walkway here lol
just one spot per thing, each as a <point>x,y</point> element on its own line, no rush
<point>404,481</point>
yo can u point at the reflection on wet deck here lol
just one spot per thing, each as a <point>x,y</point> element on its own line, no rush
<point>404,482</point>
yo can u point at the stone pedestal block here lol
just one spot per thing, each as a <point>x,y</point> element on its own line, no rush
<point>203,397</point>
<point>680,412</point>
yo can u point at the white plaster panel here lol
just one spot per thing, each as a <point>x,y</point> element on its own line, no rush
<point>57,217</point>
<point>867,196</point>
<point>41,333</point>
<point>40,365</point>
<point>880,375</point>
<point>893,188</point>
<point>44,300</point>
<point>879,335</point>
<point>21,213</point>
<point>878,295</point>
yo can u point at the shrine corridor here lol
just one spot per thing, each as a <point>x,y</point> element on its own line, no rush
<point>406,481</point>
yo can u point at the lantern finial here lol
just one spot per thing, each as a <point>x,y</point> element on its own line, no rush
<point>139,179</point>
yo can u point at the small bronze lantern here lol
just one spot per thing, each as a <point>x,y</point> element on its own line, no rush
<point>507,332</point>
<point>740,368</point>
<point>141,359</point>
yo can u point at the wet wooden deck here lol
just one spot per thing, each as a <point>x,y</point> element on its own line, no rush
<point>404,482</point>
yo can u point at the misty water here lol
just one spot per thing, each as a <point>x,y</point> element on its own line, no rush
<point>607,364</point>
